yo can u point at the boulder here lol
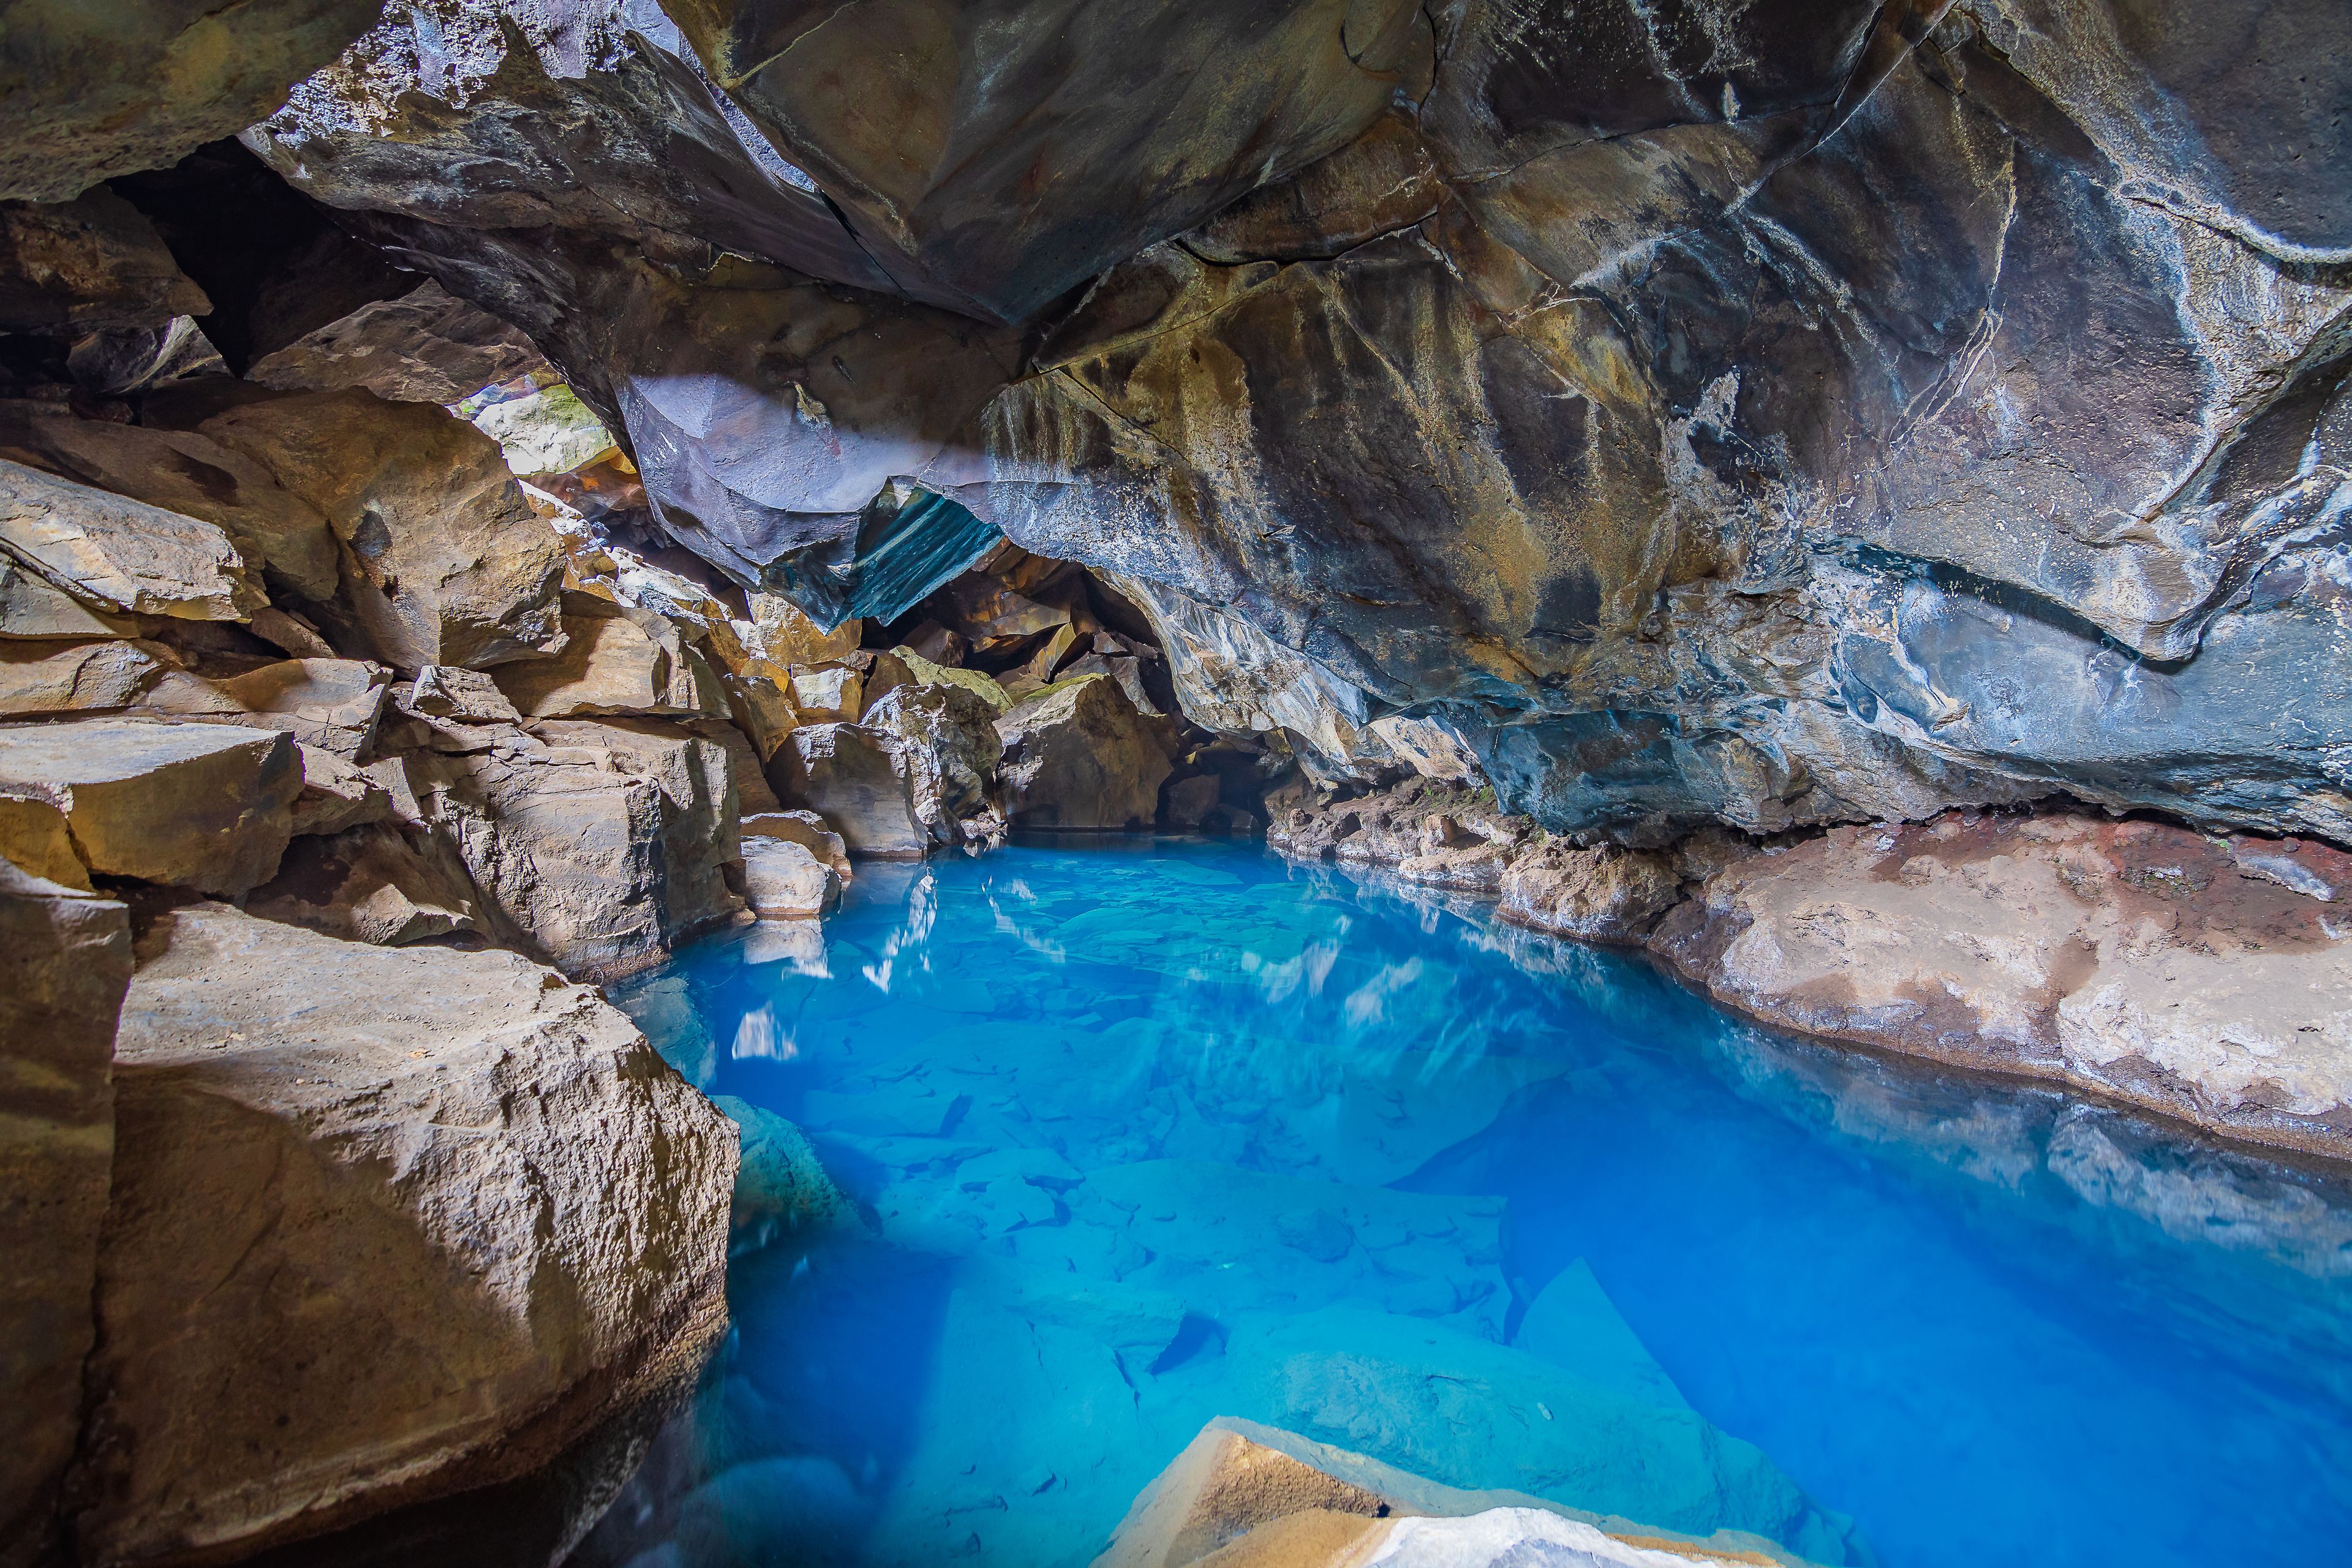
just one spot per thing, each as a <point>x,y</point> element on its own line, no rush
<point>366,883</point>
<point>194,805</point>
<point>592,846</point>
<point>1602,894</point>
<point>331,704</point>
<point>789,636</point>
<point>426,346</point>
<point>445,562</point>
<point>31,606</point>
<point>88,263</point>
<point>780,1185</point>
<point>828,694</point>
<point>1079,755</point>
<point>548,431</point>
<point>947,747</point>
<point>336,795</point>
<point>805,828</point>
<point>65,961</point>
<point>114,553</point>
<point>34,837</point>
<point>784,880</point>
<point>431,1216</point>
<point>461,696</point>
<point>615,660</point>
<point>42,678</point>
<point>1188,802</point>
<point>853,777</point>
<point>277,534</point>
<point>2205,979</point>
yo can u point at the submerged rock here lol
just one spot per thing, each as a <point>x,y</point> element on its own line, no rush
<point>430,1215</point>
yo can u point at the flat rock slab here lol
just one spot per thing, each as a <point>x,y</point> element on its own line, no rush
<point>206,807</point>
<point>2204,978</point>
<point>388,1224</point>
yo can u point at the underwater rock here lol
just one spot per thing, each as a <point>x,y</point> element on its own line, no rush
<point>1079,755</point>
<point>432,1231</point>
<point>780,1184</point>
<point>65,961</point>
<point>192,805</point>
<point>2202,978</point>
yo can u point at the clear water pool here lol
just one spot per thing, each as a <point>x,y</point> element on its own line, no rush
<point>1141,1133</point>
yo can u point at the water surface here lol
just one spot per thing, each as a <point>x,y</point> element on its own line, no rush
<point>1144,1132</point>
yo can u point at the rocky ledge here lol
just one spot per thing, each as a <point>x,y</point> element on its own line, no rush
<point>2199,976</point>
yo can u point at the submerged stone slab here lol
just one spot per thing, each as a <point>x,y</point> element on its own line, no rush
<point>390,1223</point>
<point>196,805</point>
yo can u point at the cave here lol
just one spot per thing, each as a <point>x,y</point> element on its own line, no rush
<point>1107,783</point>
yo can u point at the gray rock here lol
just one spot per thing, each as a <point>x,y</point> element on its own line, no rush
<point>429,1234</point>
<point>784,880</point>
<point>65,961</point>
<point>947,747</point>
<point>808,830</point>
<point>855,779</point>
<point>426,346</point>
<point>44,677</point>
<point>1604,894</point>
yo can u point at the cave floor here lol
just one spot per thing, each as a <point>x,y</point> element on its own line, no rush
<point>1139,1133</point>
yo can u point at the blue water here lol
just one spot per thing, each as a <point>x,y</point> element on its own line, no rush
<point>1137,1135</point>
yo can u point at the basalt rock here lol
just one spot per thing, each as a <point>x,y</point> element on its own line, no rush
<point>116,555</point>
<point>784,880</point>
<point>65,961</point>
<point>425,347</point>
<point>615,660</point>
<point>387,1225</point>
<point>947,747</point>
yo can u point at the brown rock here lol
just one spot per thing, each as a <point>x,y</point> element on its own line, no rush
<point>428,1233</point>
<point>90,263</point>
<point>446,563</point>
<point>95,90</point>
<point>948,746</point>
<point>1079,755</point>
<point>336,795</point>
<point>65,959</point>
<point>1599,895</point>
<point>114,553</point>
<point>423,347</point>
<point>2199,978</point>
<point>34,837</point>
<point>853,779</point>
<point>462,695</point>
<point>805,828</point>
<point>788,637</point>
<point>366,883</point>
<point>196,805</point>
<point>38,678</point>
<point>595,846</point>
<point>828,694</point>
<point>785,880</point>
<point>332,704</point>
<point>1189,801</point>
<point>31,608</point>
<point>615,660</point>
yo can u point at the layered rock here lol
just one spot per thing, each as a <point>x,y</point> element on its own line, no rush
<point>424,346</point>
<point>65,961</point>
<point>412,1243</point>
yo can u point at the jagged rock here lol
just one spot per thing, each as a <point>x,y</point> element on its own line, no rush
<point>65,960</point>
<point>430,1235</point>
<point>805,828</point>
<point>95,90</point>
<point>275,534</point>
<point>615,661</point>
<point>336,795</point>
<point>546,432</point>
<point>780,1184</point>
<point>1451,856</point>
<point>948,748</point>
<point>334,704</point>
<point>465,696</point>
<point>926,672</point>
<point>1431,747</point>
<point>425,347</point>
<point>365,883</point>
<point>784,880</point>
<point>34,837</point>
<point>829,694</point>
<point>42,678</point>
<point>788,637</point>
<point>1188,802</point>
<point>118,554</point>
<point>596,846</point>
<point>1077,755</point>
<point>1596,895</point>
<point>86,265</point>
<point>2201,978</point>
<point>853,778</point>
<point>445,562</point>
<point>926,184</point>
<point>193,805</point>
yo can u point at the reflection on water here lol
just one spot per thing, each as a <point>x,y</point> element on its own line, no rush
<point>1145,1135</point>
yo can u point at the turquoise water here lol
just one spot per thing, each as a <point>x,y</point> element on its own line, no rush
<point>1141,1133</point>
